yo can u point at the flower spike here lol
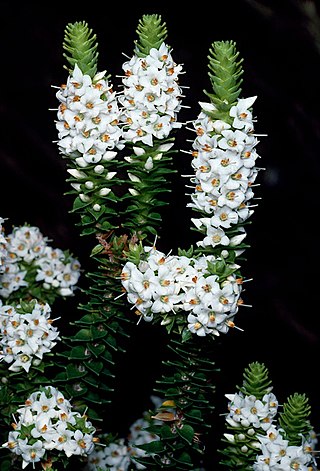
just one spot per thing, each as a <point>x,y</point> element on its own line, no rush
<point>152,33</point>
<point>81,48</point>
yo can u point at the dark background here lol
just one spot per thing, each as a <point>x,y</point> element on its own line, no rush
<point>280,45</point>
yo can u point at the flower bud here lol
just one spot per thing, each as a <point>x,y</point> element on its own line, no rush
<point>84,198</point>
<point>138,150</point>
<point>133,192</point>
<point>229,437</point>
<point>76,173</point>
<point>99,169</point>
<point>134,178</point>
<point>149,164</point>
<point>104,191</point>
<point>109,155</point>
<point>81,162</point>
<point>110,175</point>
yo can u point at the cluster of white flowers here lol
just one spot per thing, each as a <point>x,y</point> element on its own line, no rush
<point>113,457</point>
<point>151,97</point>
<point>164,285</point>
<point>29,259</point>
<point>248,411</point>
<point>119,455</point>
<point>26,336</point>
<point>45,423</point>
<point>3,245</point>
<point>93,122</point>
<point>278,455</point>
<point>255,418</point>
<point>88,118</point>
<point>224,158</point>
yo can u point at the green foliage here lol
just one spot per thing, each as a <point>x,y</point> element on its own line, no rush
<point>99,333</point>
<point>256,380</point>
<point>97,208</point>
<point>80,48</point>
<point>152,32</point>
<point>188,388</point>
<point>294,419</point>
<point>225,70</point>
<point>142,213</point>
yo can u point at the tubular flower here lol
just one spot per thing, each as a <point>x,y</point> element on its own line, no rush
<point>151,97</point>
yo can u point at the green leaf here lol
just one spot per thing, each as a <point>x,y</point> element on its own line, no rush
<point>187,433</point>
<point>95,366</point>
<point>96,350</point>
<point>185,459</point>
<point>76,353</point>
<point>153,447</point>
<point>73,372</point>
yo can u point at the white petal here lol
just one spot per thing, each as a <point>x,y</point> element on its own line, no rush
<point>138,150</point>
<point>207,106</point>
<point>165,147</point>
<point>104,191</point>
<point>133,192</point>
<point>75,173</point>
<point>133,178</point>
<point>99,76</point>
<point>109,155</point>
<point>197,222</point>
<point>110,175</point>
<point>81,162</point>
<point>247,102</point>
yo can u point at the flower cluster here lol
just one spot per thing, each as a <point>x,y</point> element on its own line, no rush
<point>119,454</point>
<point>88,118</point>
<point>46,422</point>
<point>92,120</point>
<point>31,261</point>
<point>253,423</point>
<point>26,334</point>
<point>224,159</point>
<point>248,412</point>
<point>151,98</point>
<point>278,455</point>
<point>163,285</point>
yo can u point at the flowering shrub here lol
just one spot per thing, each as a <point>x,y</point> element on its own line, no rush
<point>118,144</point>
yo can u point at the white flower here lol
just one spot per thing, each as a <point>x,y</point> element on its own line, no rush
<point>196,326</point>
<point>241,114</point>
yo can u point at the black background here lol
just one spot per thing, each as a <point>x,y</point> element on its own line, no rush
<point>280,45</point>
